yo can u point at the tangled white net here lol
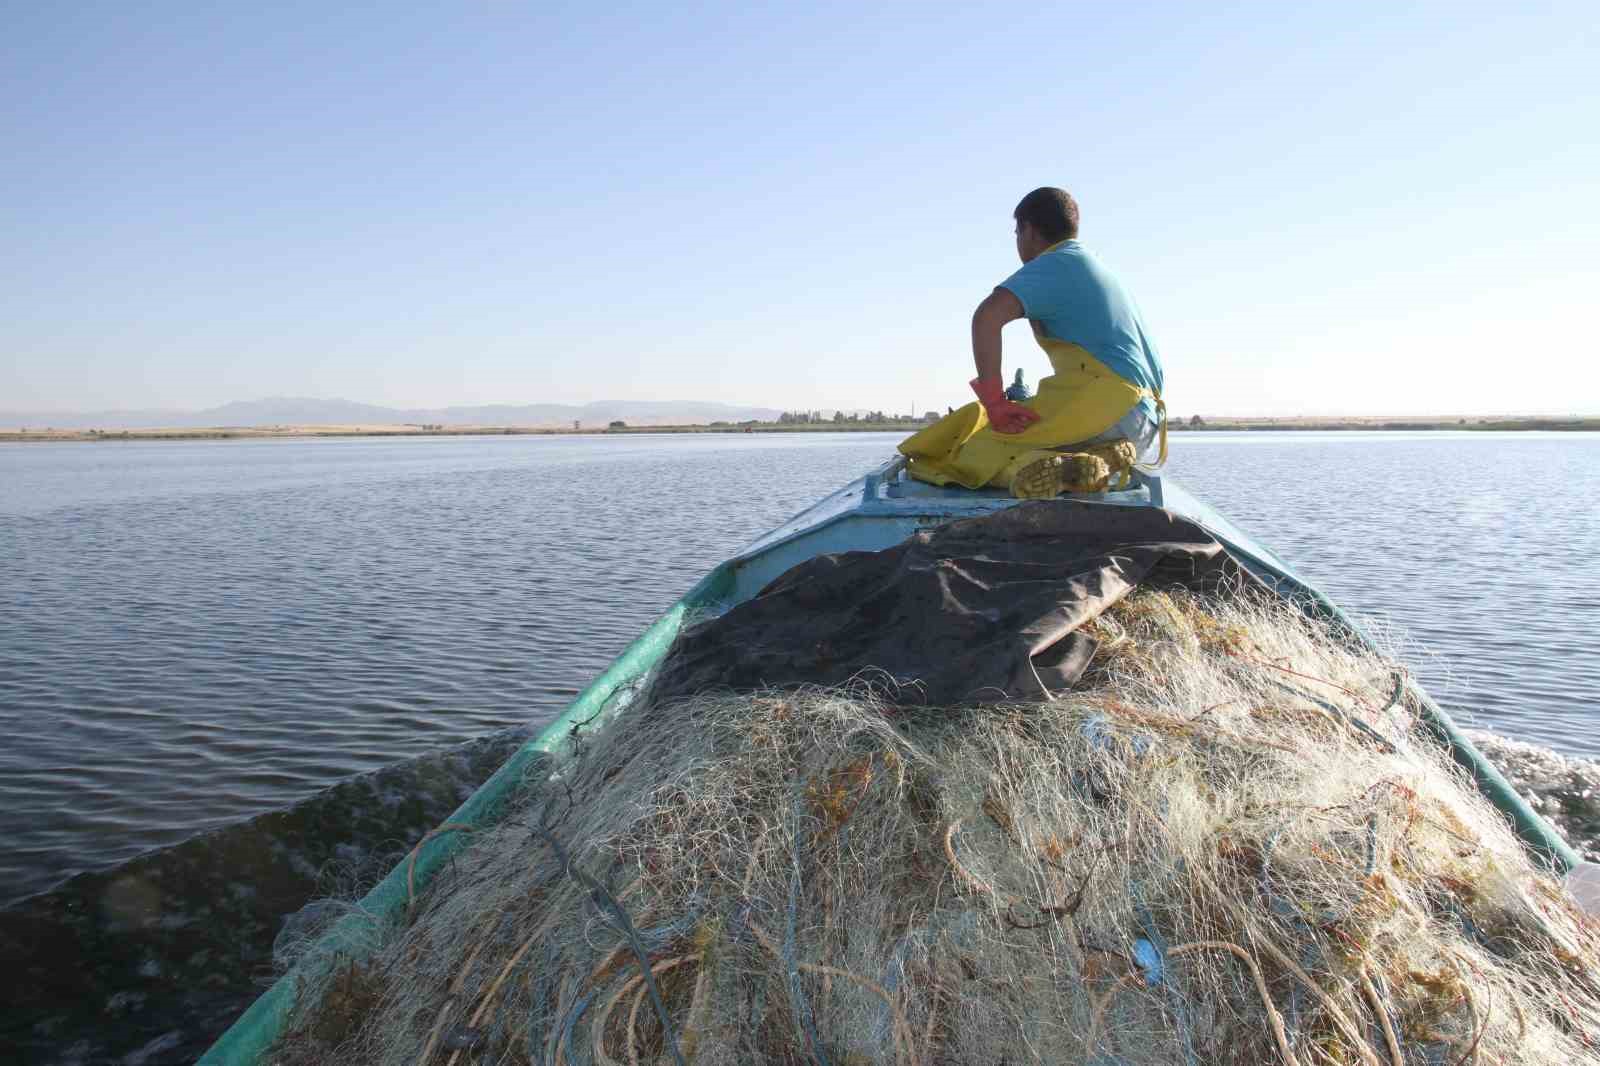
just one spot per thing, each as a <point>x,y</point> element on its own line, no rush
<point>1224,846</point>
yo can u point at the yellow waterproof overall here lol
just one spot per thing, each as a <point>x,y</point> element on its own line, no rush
<point>1080,401</point>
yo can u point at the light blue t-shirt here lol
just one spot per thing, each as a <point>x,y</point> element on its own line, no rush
<point>1074,298</point>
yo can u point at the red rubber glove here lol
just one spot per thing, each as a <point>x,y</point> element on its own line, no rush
<point>1006,416</point>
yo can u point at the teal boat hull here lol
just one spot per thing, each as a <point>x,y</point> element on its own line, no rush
<point>869,514</point>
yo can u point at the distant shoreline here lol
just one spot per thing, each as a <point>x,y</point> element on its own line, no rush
<point>300,432</point>
<point>1309,424</point>
<point>1213,425</point>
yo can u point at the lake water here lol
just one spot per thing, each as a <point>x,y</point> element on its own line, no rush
<point>203,634</point>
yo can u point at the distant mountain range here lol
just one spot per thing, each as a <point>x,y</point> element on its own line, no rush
<point>298,411</point>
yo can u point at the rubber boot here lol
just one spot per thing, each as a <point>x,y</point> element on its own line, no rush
<point>1119,456</point>
<point>1043,474</point>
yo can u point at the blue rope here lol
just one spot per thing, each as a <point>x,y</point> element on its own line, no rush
<point>658,937</point>
<point>960,931</point>
<point>547,1052</point>
<point>566,1033</point>
<point>536,1016</point>
<point>1150,952</point>
<point>1339,712</point>
<point>1372,844</point>
<point>1101,734</point>
<point>758,1014</point>
<point>791,962</point>
<point>893,973</point>
<point>604,901</point>
<point>1310,956</point>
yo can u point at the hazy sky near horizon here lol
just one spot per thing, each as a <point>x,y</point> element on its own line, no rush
<point>1331,208</point>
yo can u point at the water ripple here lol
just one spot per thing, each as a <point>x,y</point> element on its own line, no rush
<point>193,634</point>
<point>1478,554</point>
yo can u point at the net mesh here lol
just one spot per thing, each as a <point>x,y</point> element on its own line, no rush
<point>1225,845</point>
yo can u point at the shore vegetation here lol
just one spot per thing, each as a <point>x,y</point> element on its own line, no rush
<point>790,422</point>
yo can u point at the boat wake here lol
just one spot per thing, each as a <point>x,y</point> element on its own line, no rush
<point>149,961</point>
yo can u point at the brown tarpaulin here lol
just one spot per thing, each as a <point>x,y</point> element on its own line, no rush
<point>981,609</point>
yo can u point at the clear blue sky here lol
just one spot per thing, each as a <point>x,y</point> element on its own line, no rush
<point>1347,209</point>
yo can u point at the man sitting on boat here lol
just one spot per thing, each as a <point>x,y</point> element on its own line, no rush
<point>1095,417</point>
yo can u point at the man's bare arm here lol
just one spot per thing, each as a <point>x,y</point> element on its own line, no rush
<point>998,308</point>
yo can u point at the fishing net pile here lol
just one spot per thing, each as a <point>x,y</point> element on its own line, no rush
<point>1225,843</point>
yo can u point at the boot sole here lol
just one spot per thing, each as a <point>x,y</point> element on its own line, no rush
<point>1051,475</point>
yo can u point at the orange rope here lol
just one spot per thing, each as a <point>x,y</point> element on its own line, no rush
<point>903,1041</point>
<point>450,999</point>
<point>494,990</point>
<point>1395,1056</point>
<point>1261,987</point>
<point>411,862</point>
<point>637,980</point>
<point>968,878</point>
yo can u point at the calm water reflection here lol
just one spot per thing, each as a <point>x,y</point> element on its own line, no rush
<point>195,633</point>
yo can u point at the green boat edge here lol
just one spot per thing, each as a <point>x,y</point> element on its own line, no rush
<point>354,936</point>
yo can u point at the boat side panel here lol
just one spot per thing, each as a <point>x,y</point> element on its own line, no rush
<point>1541,839</point>
<point>869,514</point>
<point>355,936</point>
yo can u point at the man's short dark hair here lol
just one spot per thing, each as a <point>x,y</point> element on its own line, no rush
<point>1052,213</point>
